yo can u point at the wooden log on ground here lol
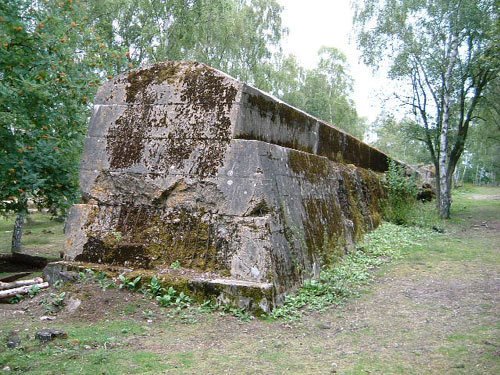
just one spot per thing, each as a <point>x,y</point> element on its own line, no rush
<point>15,284</point>
<point>21,290</point>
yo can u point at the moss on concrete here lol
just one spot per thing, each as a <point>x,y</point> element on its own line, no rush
<point>311,167</point>
<point>203,94</point>
<point>146,236</point>
<point>287,115</point>
<point>323,229</point>
<point>140,80</point>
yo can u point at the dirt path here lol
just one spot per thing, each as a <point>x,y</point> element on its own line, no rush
<point>435,312</point>
<point>408,322</point>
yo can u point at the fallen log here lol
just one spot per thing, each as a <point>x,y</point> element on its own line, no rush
<point>15,284</point>
<point>21,290</point>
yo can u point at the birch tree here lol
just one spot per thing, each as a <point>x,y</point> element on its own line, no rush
<point>445,54</point>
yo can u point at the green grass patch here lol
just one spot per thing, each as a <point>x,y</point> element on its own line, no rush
<point>377,366</point>
<point>91,348</point>
<point>55,359</point>
<point>42,235</point>
<point>478,344</point>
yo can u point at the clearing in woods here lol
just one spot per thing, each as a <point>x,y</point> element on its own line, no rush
<point>433,311</point>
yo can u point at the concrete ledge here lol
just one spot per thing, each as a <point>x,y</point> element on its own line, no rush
<point>257,298</point>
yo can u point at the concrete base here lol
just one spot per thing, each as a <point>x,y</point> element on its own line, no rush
<point>257,298</point>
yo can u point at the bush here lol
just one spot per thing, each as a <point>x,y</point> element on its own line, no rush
<point>401,195</point>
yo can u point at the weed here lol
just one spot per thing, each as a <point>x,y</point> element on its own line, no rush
<point>237,312</point>
<point>104,281</point>
<point>33,291</point>
<point>86,276</point>
<point>182,300</point>
<point>54,302</point>
<point>148,314</point>
<point>89,276</point>
<point>58,284</point>
<point>58,299</point>
<point>175,265</point>
<point>132,285</point>
<point>342,281</point>
<point>172,298</point>
<point>16,299</point>
<point>154,288</point>
<point>168,298</point>
<point>186,316</point>
<point>208,306</point>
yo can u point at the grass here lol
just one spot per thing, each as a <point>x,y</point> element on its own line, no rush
<point>73,360</point>
<point>91,348</point>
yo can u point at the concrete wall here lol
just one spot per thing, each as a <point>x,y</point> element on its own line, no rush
<point>184,163</point>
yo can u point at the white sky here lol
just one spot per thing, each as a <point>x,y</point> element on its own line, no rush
<point>316,23</point>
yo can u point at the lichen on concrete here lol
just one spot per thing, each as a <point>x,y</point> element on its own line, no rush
<point>248,195</point>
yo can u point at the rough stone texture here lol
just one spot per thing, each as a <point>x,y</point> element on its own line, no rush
<point>46,335</point>
<point>184,163</point>
<point>13,340</point>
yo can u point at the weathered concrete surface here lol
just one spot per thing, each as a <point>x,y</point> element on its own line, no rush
<point>184,163</point>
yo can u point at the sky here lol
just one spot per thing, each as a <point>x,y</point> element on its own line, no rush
<point>316,23</point>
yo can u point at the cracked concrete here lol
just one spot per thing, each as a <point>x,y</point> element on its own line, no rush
<point>184,163</point>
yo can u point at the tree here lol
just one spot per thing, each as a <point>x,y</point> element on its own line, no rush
<point>447,52</point>
<point>481,161</point>
<point>48,74</point>
<point>323,91</point>
<point>328,88</point>
<point>402,140</point>
<point>55,53</point>
<point>216,32</point>
<point>235,36</point>
<point>284,78</point>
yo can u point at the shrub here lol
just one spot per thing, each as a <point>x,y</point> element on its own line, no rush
<point>401,193</point>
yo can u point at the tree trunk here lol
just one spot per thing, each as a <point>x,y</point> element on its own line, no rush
<point>17,233</point>
<point>445,195</point>
<point>21,290</point>
<point>16,284</point>
<point>444,173</point>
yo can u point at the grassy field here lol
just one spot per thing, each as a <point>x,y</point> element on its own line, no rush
<point>42,236</point>
<point>432,310</point>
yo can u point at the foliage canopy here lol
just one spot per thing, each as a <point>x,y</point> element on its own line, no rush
<point>447,54</point>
